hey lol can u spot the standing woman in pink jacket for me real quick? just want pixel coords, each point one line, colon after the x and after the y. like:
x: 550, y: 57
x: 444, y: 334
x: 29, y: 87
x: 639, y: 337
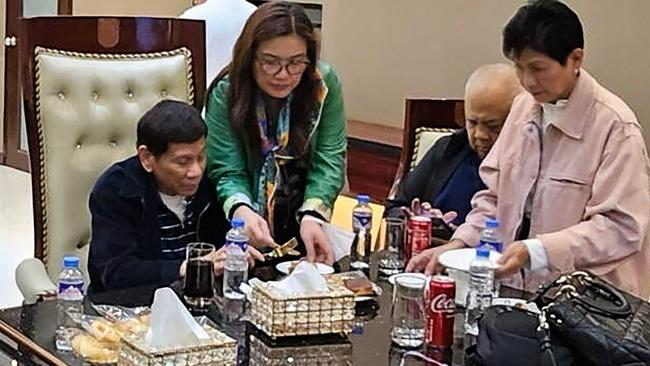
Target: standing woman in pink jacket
x: 568, y: 176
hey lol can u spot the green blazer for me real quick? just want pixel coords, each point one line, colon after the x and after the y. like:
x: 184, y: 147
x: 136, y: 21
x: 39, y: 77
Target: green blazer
x: 230, y: 171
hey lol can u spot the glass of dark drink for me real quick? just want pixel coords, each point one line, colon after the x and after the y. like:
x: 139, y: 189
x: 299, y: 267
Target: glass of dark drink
x: 199, y: 275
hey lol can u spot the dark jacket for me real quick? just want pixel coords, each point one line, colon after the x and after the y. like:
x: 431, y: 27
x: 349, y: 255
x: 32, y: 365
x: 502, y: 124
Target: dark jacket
x: 432, y: 173
x: 125, y: 246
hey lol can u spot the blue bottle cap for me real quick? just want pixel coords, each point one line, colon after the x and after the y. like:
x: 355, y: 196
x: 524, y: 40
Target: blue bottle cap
x: 70, y: 261
x: 483, y: 251
x: 363, y: 198
x: 237, y: 223
x: 492, y: 223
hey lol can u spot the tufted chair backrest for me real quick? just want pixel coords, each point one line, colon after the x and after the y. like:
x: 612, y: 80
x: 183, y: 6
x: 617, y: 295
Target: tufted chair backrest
x: 85, y: 110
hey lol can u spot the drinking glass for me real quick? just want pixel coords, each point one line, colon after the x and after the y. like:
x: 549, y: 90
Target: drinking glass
x: 391, y: 259
x: 199, y: 275
x: 407, y: 311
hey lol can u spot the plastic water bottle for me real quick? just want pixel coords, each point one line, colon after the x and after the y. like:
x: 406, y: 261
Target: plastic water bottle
x: 490, y: 235
x: 236, y: 266
x: 69, y: 300
x: 361, y: 224
x: 479, y: 296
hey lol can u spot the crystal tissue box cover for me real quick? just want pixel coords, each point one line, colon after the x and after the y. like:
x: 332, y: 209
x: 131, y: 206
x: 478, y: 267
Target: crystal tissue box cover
x: 217, y: 351
x: 318, y: 313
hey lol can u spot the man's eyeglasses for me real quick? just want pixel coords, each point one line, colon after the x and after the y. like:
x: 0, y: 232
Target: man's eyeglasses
x: 274, y: 67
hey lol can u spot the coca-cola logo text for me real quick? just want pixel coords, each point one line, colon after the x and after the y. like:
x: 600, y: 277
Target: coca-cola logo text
x: 443, y: 304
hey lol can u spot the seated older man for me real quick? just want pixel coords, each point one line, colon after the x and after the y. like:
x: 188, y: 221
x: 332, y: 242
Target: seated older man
x: 147, y: 208
x: 447, y: 177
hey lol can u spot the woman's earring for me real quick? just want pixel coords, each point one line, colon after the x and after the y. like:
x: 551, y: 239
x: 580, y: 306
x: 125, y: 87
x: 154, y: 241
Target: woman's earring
x: 576, y: 71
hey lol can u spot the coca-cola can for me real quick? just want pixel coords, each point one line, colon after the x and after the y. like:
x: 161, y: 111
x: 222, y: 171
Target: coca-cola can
x: 441, y: 307
x: 418, y: 231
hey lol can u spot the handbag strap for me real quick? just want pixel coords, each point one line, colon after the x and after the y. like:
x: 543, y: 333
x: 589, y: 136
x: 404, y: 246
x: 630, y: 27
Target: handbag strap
x: 547, y: 357
x: 584, y: 289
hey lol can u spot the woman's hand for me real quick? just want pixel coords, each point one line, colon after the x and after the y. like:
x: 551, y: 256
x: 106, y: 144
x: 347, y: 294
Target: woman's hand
x: 319, y: 248
x: 255, y: 226
x: 514, y: 258
x: 427, y: 261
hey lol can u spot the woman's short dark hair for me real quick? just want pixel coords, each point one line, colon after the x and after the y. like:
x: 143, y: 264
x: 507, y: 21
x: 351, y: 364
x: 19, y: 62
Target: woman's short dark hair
x: 169, y: 121
x: 546, y: 26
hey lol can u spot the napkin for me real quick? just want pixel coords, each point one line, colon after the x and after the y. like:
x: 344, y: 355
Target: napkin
x: 171, y: 325
x: 305, y: 279
x: 340, y: 239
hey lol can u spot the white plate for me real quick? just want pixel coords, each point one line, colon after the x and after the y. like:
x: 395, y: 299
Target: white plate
x: 508, y: 301
x: 520, y: 303
x: 460, y: 259
x: 392, y: 278
x: 322, y: 268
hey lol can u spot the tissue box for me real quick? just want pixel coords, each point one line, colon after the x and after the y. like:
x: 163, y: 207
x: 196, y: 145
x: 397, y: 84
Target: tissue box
x: 218, y: 350
x: 335, y: 353
x: 322, y: 313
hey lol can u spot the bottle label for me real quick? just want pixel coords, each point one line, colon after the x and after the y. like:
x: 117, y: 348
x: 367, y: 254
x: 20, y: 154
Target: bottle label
x: 71, y: 291
x: 493, y: 245
x: 240, y: 243
x: 362, y: 220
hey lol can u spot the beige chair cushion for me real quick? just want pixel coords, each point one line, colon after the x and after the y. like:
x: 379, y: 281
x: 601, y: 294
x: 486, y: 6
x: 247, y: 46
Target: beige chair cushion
x: 425, y: 137
x: 87, y: 109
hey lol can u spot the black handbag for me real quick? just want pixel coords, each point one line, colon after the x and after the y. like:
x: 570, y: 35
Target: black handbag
x: 587, y: 321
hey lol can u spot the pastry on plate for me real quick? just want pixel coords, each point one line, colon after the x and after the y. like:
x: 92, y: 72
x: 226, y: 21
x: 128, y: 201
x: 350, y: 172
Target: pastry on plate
x: 93, y: 350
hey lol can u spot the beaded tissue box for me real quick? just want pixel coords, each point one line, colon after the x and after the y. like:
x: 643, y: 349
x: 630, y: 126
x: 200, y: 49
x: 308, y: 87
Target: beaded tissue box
x: 318, y: 313
x: 217, y: 351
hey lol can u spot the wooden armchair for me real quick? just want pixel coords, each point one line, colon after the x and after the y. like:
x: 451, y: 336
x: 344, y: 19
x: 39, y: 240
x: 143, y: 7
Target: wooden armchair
x: 425, y: 121
x: 87, y: 81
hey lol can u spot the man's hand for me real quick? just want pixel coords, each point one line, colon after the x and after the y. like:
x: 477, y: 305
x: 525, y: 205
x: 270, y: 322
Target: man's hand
x: 218, y: 259
x: 255, y: 226
x: 419, y: 208
x: 319, y: 248
x: 513, y: 259
x: 427, y: 261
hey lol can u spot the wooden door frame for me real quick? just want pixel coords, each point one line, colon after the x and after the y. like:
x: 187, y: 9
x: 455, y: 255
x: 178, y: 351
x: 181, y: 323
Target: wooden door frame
x: 12, y: 155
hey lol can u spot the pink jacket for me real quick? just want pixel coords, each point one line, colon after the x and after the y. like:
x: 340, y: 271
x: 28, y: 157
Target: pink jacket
x: 592, y: 203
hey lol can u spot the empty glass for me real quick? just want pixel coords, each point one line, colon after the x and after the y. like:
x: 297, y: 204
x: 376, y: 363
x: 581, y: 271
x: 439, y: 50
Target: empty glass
x: 407, y: 311
x: 199, y: 275
x: 391, y: 259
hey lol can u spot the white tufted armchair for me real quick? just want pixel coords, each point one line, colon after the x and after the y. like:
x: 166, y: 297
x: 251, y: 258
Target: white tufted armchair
x: 86, y: 82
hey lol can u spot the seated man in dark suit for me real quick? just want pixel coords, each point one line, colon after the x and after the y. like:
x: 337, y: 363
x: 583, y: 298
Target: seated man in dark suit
x: 447, y: 177
x: 146, y: 209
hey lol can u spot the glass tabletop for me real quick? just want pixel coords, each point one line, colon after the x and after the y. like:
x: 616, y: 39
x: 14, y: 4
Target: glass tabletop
x: 369, y: 344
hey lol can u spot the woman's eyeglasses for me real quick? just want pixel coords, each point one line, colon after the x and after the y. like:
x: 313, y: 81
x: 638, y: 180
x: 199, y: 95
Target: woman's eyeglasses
x: 274, y: 67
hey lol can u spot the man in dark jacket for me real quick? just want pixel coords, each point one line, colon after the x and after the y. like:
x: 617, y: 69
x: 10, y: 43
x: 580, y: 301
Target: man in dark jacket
x: 447, y: 176
x: 147, y: 208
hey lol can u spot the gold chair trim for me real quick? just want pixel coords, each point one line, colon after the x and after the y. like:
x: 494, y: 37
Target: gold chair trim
x: 418, y: 134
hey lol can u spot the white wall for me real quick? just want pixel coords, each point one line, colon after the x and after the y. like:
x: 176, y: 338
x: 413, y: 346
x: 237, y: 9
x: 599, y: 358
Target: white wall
x: 386, y: 50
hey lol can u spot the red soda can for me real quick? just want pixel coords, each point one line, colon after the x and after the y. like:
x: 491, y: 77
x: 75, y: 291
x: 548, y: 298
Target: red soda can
x: 439, y: 332
x: 419, y: 235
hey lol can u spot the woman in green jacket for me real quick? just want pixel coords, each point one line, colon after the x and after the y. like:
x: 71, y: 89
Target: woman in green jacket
x: 276, y: 132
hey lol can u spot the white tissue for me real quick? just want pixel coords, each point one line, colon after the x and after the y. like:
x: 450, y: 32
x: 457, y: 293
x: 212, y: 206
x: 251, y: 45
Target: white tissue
x: 171, y: 325
x: 305, y: 279
x: 341, y: 240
